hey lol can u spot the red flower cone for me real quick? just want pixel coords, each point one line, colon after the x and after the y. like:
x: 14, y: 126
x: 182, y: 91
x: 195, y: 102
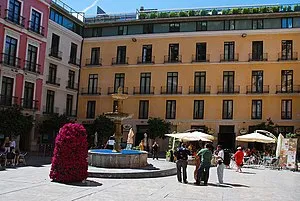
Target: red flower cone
x: 69, y: 161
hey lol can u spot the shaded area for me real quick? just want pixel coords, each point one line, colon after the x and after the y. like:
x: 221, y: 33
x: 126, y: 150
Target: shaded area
x: 86, y: 183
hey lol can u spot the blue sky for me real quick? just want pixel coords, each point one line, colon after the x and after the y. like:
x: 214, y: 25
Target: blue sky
x: 121, y: 6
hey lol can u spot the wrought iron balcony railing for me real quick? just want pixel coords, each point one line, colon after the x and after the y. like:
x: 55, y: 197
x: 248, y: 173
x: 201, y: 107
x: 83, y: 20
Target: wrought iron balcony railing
x: 172, y: 59
x: 72, y: 85
x: 171, y: 90
x: 90, y: 91
x: 36, y: 28
x: 229, y: 58
x: 258, y: 57
x: 29, y: 104
x: 32, y: 67
x: 252, y: 89
x: 283, y: 89
x: 282, y: 56
x: 229, y: 90
x: 70, y: 113
x: 199, y: 90
x: 93, y: 62
x: 201, y: 58
x: 119, y: 61
x: 50, y: 110
x: 53, y: 80
x: 14, y: 18
x: 8, y: 100
x: 75, y: 61
x: 146, y: 60
x: 286, y: 115
x: 113, y: 90
x: 143, y: 90
x: 55, y: 53
x: 10, y: 61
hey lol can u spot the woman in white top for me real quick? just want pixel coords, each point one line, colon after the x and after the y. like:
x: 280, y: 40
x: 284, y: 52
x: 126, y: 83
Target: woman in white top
x: 220, y: 163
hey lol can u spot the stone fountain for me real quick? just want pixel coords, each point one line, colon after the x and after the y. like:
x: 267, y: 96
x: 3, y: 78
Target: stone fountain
x: 118, y: 158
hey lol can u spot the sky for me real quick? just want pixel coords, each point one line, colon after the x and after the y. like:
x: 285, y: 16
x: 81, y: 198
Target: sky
x: 123, y: 6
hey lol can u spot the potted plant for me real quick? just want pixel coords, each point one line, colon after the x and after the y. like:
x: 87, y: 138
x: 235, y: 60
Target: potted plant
x: 173, y: 14
x: 163, y: 15
x: 192, y: 13
x: 275, y: 9
x: 255, y: 10
x: 183, y: 14
x: 203, y: 12
x: 246, y: 11
x: 214, y: 12
x: 142, y: 16
x: 153, y: 15
x: 264, y: 9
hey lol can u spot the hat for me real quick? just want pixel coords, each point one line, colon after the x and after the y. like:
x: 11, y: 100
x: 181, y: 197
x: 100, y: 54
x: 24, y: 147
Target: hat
x: 239, y: 148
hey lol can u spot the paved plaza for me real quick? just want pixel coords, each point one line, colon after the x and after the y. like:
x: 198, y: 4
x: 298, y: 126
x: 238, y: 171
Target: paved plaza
x: 33, y: 183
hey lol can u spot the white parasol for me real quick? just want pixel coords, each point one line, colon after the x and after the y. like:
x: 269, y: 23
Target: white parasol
x: 278, y: 147
x: 255, y: 137
x: 192, y: 136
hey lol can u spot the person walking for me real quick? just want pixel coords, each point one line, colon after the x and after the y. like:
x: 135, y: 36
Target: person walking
x: 220, y: 163
x: 155, y: 150
x: 205, y: 156
x: 239, y: 158
x: 182, y: 156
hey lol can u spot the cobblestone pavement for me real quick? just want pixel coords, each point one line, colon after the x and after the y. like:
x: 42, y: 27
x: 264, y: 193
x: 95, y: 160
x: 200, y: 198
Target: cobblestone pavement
x: 32, y: 183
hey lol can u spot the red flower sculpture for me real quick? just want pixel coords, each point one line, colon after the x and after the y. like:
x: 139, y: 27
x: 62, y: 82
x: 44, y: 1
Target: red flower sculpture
x: 69, y: 161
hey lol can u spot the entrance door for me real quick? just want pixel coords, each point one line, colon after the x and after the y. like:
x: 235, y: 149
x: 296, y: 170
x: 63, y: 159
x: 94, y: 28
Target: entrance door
x: 140, y: 131
x: 226, y: 137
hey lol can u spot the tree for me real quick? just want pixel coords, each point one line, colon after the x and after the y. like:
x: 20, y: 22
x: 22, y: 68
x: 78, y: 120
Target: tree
x: 69, y: 162
x: 268, y: 126
x: 157, y: 127
x: 104, y: 127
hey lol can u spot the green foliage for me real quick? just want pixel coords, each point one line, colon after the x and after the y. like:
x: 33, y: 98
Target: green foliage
x: 236, y: 11
x: 52, y: 123
x: 214, y: 12
x: 275, y: 9
x: 14, y: 123
x: 143, y: 16
x: 296, y: 7
x: 158, y: 128
x: 255, y: 10
x: 264, y: 9
x: 246, y: 11
x: 268, y: 126
x: 173, y: 14
x: 203, y: 12
x: 104, y: 127
x: 183, y: 14
x: 291, y: 135
x: 153, y: 15
x: 225, y: 12
x: 163, y: 15
x: 192, y: 13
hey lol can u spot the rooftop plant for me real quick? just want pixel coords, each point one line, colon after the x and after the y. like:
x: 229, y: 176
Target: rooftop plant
x: 153, y: 15
x: 173, y: 14
x: 214, y: 12
x: 183, y: 14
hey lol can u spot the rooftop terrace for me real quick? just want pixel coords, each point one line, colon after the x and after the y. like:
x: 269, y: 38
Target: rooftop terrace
x: 142, y: 13
x: 69, y: 10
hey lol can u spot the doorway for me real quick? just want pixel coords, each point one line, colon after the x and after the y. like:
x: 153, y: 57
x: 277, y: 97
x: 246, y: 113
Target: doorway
x: 226, y: 137
x: 140, y: 131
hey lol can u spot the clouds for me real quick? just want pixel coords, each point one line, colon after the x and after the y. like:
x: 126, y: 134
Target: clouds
x: 91, y: 6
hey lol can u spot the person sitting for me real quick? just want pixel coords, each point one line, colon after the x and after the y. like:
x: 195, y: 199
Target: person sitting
x: 110, y: 143
x: 6, y: 145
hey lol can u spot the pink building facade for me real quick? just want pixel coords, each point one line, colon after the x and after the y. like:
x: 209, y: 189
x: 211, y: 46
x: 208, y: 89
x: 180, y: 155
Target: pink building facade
x: 23, y: 38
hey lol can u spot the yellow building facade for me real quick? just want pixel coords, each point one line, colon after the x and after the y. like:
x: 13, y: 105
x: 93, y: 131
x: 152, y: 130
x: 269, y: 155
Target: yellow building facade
x: 223, y: 80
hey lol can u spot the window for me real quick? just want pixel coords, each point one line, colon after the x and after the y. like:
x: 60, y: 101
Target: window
x: 121, y: 55
x: 31, y: 58
x: 228, y: 51
x: 228, y: 81
x: 286, y: 109
x: 11, y: 51
x: 91, y: 107
x: 14, y: 12
x: 73, y: 54
x: 257, y: 51
x: 287, y: 22
x: 200, y: 82
x: 173, y: 53
x: 258, y: 24
x: 257, y: 81
x: 119, y: 81
x: 198, y: 109
x: 96, y: 32
x: 201, y: 52
x: 148, y: 28
x: 28, y: 95
x: 201, y: 26
x: 52, y: 74
x: 172, y: 83
x: 122, y: 30
x: 147, y: 54
x: 229, y: 24
x: 55, y: 46
x: 95, y: 56
x: 6, y: 97
x: 50, y: 102
x: 35, y: 22
x: 227, y: 109
x: 145, y: 83
x: 286, y: 81
x: 256, y: 109
x: 93, y: 84
x: 143, y: 109
x: 286, y: 50
x: 69, y: 105
x: 170, y: 109
x: 174, y: 27
x: 71, y: 81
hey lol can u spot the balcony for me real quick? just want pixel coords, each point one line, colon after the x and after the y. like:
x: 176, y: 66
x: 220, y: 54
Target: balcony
x: 10, y: 61
x: 119, y: 61
x: 258, y: 57
x: 172, y: 59
x: 171, y: 90
x: 50, y: 110
x: 229, y: 58
x: 93, y: 62
x: 8, y: 100
x: 143, y: 60
x: 282, y: 56
x: 90, y: 91
x: 113, y: 90
x: 251, y: 89
x: 228, y: 90
x: 32, y: 67
x: 286, y: 115
x: 200, y: 58
x: 71, y: 113
x: 72, y: 85
x: 29, y: 104
x: 55, y: 53
x: 75, y: 61
x: 199, y: 90
x: 143, y: 90
x: 12, y: 17
x: 287, y: 89
x: 36, y: 28
x: 53, y: 80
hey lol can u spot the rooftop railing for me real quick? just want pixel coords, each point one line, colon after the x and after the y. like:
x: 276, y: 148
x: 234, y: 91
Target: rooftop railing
x: 68, y: 9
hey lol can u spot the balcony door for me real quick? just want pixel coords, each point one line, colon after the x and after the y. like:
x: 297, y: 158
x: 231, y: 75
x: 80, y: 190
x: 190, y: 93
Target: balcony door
x: 201, y: 52
x: 173, y: 52
x: 28, y: 95
x: 286, y: 49
x: 31, y: 58
x: 229, y: 51
x: 199, y: 82
x: 286, y: 80
x: 147, y: 54
x: 14, y: 13
x: 257, y: 50
x: 35, y: 21
x: 172, y: 83
x: 121, y: 55
x: 257, y: 81
x: 93, y: 84
x: 10, y: 51
x: 145, y: 83
x: 55, y: 45
x: 228, y: 82
x: 7, y: 91
x: 119, y: 82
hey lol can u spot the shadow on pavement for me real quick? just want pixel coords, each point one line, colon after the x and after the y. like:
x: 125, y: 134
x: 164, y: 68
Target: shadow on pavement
x: 247, y: 172
x: 87, y: 183
x: 236, y: 185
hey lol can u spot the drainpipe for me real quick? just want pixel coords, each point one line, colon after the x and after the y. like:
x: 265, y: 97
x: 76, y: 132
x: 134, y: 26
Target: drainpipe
x: 79, y: 76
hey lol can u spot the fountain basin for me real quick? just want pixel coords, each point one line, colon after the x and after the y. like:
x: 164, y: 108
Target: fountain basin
x: 125, y: 159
